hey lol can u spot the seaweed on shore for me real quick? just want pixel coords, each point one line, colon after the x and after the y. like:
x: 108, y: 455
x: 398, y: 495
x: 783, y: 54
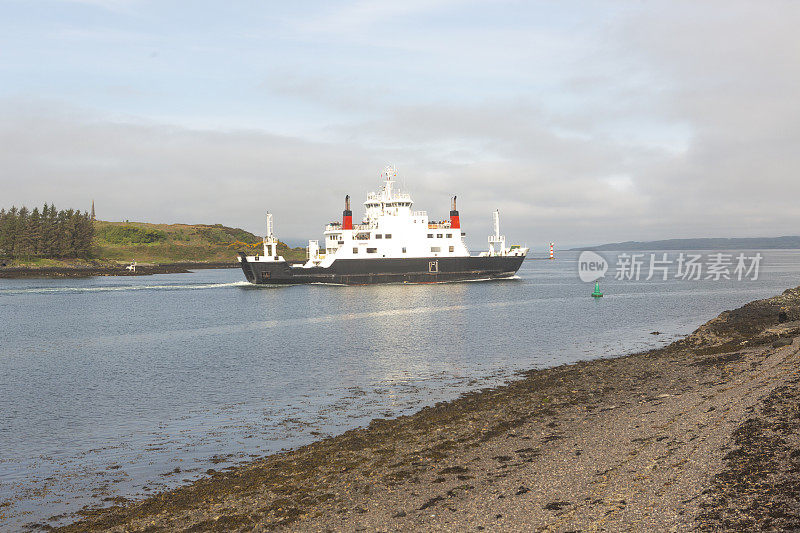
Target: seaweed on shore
x: 759, y: 489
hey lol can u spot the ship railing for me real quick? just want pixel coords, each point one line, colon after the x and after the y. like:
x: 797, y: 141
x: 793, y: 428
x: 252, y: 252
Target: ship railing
x: 336, y: 226
x: 381, y: 197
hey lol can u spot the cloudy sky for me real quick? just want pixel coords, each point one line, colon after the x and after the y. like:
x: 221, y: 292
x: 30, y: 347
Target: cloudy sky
x: 583, y: 122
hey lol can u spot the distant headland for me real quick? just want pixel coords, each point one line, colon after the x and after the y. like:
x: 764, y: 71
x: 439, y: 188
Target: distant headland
x: 744, y: 243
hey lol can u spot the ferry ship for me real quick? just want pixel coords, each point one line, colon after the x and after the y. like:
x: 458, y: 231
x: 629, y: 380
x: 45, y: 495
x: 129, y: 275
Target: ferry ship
x: 393, y: 244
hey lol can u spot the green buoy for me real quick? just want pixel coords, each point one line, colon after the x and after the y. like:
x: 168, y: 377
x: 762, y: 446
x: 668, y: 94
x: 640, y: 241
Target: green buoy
x: 597, y: 293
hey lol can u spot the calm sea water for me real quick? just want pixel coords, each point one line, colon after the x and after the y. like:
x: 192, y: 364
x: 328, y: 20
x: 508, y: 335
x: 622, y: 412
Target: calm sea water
x: 126, y: 386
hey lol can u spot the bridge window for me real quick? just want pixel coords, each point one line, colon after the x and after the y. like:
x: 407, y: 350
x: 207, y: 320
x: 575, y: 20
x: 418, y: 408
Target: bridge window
x: 388, y: 235
x: 372, y: 250
x: 378, y: 236
x: 449, y: 235
x: 355, y: 250
x: 452, y: 248
x: 438, y: 235
x: 430, y: 235
x: 436, y: 249
x: 404, y: 249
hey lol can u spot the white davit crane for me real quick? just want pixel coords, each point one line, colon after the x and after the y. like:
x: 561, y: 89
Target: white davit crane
x: 270, y: 243
x: 497, y: 238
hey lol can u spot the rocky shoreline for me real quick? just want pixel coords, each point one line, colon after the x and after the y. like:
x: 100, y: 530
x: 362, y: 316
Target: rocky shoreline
x: 701, y: 435
x: 107, y: 269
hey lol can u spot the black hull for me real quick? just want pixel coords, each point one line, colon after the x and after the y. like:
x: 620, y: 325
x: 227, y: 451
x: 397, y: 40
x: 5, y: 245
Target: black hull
x: 369, y: 271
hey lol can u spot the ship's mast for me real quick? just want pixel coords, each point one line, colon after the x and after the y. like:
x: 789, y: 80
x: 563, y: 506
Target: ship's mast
x: 390, y: 172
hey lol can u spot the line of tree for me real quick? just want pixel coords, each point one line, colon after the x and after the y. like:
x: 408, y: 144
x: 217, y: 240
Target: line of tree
x: 46, y: 233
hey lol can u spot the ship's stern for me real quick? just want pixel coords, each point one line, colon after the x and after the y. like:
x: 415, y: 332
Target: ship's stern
x: 266, y: 270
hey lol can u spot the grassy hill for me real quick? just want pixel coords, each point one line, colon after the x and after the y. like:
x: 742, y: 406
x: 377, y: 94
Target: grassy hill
x: 168, y: 243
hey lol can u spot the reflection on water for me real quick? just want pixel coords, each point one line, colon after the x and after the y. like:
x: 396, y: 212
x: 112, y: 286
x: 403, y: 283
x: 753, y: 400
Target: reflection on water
x: 125, y: 386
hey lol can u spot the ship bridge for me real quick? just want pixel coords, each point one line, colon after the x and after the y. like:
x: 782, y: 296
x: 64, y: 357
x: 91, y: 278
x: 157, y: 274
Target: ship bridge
x: 388, y: 200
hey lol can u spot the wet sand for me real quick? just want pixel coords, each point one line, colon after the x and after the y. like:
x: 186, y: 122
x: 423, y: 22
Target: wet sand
x: 701, y: 435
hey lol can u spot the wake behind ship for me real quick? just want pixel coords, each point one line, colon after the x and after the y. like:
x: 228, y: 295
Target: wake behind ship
x: 393, y: 244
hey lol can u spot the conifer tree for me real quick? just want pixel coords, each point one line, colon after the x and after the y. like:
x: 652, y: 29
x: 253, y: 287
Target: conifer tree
x: 21, y: 242
x: 45, y: 233
x: 6, y: 233
x: 51, y: 236
x: 34, y: 233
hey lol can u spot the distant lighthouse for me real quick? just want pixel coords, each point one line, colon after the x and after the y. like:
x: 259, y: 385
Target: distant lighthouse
x: 93, y: 217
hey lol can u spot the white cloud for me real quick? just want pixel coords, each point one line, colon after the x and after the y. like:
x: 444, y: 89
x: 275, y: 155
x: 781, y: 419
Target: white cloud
x: 120, y: 6
x: 362, y: 15
x: 619, y: 183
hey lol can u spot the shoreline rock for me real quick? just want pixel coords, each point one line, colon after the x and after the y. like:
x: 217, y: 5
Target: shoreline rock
x: 109, y: 270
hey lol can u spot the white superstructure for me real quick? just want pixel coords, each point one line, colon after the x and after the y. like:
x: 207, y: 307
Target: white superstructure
x: 390, y: 228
